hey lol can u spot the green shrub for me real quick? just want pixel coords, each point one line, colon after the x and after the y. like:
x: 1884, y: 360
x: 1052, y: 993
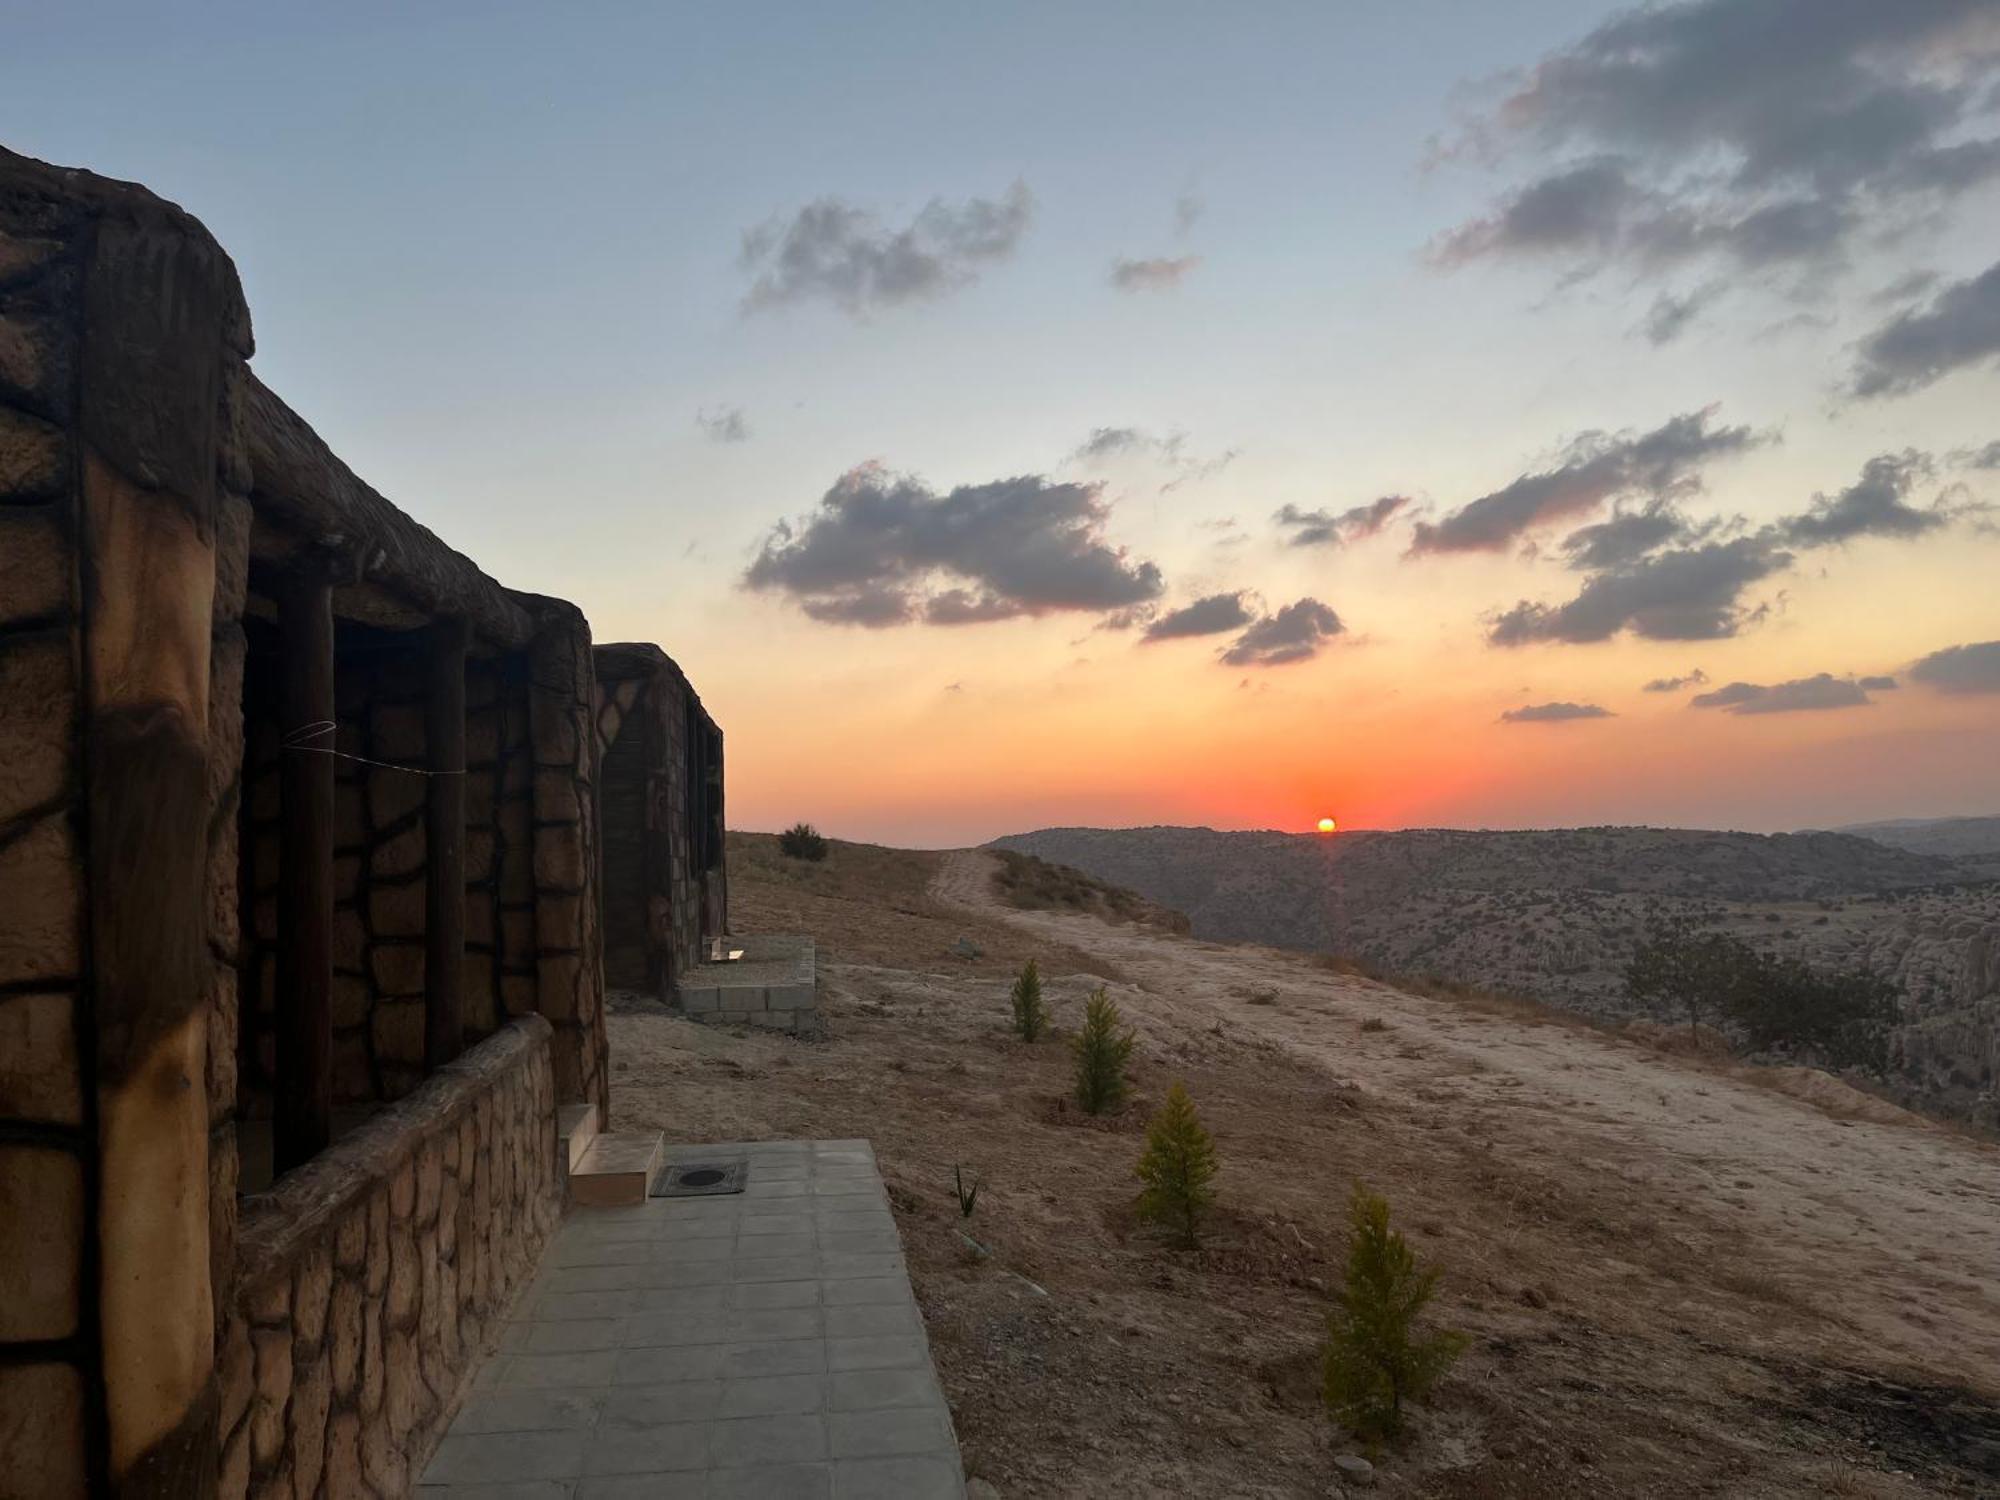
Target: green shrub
x: 968, y: 1197
x: 1679, y: 967
x: 1375, y: 1358
x: 1177, y: 1167
x: 1101, y: 1053
x: 802, y: 841
x: 1031, y: 1016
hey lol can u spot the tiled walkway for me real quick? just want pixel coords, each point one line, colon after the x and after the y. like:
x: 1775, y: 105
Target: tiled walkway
x: 763, y: 1344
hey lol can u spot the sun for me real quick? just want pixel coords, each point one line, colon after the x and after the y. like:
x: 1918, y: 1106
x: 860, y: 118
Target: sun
x: 1327, y: 825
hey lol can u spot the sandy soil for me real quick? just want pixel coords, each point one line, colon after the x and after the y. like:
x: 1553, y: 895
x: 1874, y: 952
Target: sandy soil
x: 1680, y: 1277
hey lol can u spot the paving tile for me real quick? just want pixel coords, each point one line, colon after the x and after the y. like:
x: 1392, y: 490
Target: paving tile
x: 651, y: 1405
x: 774, y: 1268
x: 541, y: 1372
x: 766, y: 1440
x: 772, y: 1395
x: 572, y: 1337
x: 775, y: 1357
x: 883, y: 1433
x: 526, y: 1411
x: 914, y: 1478
x: 533, y: 1489
x: 680, y: 1252
x: 864, y: 1242
x: 857, y: 1291
x: 775, y: 1323
x: 772, y: 1482
x: 760, y: 1294
x: 661, y: 1366
x: 709, y: 1325
x: 495, y: 1457
x: 870, y: 1320
x: 688, y: 1485
x: 778, y: 1243
x: 652, y: 1449
x: 841, y: 1266
x: 871, y: 1390
x: 784, y: 1188
x: 892, y: 1352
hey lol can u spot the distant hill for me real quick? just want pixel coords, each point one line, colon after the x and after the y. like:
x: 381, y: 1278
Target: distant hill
x: 1976, y: 840
x: 1555, y: 913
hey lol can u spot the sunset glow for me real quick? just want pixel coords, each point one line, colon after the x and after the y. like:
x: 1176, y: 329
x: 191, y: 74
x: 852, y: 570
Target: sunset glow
x: 1327, y: 825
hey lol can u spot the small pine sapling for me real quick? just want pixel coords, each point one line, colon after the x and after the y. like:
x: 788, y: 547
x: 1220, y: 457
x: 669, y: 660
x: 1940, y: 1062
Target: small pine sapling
x: 1375, y: 1358
x: 802, y: 841
x: 1031, y: 1016
x: 1178, y: 1168
x: 1101, y: 1054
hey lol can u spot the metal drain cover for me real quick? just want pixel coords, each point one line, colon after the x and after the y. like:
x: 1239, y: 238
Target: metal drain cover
x: 701, y: 1179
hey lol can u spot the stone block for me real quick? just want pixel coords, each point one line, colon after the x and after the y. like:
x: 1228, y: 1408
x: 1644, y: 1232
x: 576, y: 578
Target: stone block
x: 559, y: 858
x: 34, y: 457
x: 38, y: 1067
x: 312, y: 1285
x: 397, y: 911
x: 273, y: 1348
x: 699, y: 1002
x: 353, y: 1075
x: 343, y: 1457
x: 790, y: 997
x: 41, y: 1432
x: 556, y: 797
x: 232, y: 1479
x: 236, y: 1373
x: 397, y: 1027
x: 35, y: 563
x: 399, y: 855
x: 559, y: 922
x: 41, y: 1242
x: 398, y: 968
x: 378, y: 1244
x: 33, y: 358
x: 350, y: 818
x: 482, y: 919
x: 518, y: 994
x: 343, y: 1338
x: 396, y: 733
x: 405, y: 1398
x: 558, y: 979
x: 481, y: 849
x: 372, y: 1379
x: 395, y: 795
x: 311, y: 1388
x: 37, y: 721
x: 38, y: 920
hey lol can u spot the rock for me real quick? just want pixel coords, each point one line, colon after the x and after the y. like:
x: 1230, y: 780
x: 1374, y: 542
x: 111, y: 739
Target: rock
x: 967, y: 949
x: 1355, y: 1469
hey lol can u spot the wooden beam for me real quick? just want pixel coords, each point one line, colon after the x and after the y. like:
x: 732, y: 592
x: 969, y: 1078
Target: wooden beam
x: 444, y: 844
x: 303, y: 1114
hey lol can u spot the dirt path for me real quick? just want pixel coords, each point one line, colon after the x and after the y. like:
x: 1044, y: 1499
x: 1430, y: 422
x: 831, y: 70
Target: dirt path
x: 1888, y: 1230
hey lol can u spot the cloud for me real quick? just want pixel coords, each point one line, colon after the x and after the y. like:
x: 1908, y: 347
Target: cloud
x: 1211, y: 615
x: 884, y: 549
x: 1625, y: 538
x: 1188, y: 210
x: 1959, y: 327
x: 1161, y: 274
x: 1872, y: 506
x: 1323, y: 528
x: 1669, y: 317
x: 1686, y: 594
x: 1295, y: 633
x: 1595, y: 467
x: 723, y: 425
x: 1108, y: 444
x: 1876, y: 684
x: 1801, y: 695
x: 1961, y: 669
x: 1674, y: 684
x: 1554, y: 713
x: 831, y: 251
x: 1762, y: 132
x: 1978, y: 458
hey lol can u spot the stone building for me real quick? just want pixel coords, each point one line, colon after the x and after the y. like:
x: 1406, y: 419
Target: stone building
x: 301, y: 896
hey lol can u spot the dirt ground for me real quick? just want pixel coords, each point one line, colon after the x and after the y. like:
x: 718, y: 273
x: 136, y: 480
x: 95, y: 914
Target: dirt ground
x: 1680, y: 1277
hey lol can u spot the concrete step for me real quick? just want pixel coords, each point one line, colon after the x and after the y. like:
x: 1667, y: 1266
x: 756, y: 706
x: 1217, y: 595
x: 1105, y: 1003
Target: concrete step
x: 617, y: 1170
x: 576, y: 1128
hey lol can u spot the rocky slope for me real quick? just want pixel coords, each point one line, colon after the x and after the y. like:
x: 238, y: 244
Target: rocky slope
x: 1554, y: 913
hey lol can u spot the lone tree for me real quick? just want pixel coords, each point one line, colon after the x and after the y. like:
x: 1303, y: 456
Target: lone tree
x: 1680, y: 967
x: 1031, y: 1016
x: 802, y: 841
x: 1178, y: 1167
x: 1375, y: 1358
x: 1101, y: 1053
x: 1842, y: 1018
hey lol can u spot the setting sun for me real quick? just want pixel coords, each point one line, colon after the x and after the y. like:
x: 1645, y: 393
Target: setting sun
x: 1327, y: 825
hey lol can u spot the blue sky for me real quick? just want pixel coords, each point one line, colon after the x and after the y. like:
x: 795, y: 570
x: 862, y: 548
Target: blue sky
x: 493, y: 255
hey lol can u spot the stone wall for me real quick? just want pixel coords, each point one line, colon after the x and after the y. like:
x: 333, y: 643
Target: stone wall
x: 369, y: 1279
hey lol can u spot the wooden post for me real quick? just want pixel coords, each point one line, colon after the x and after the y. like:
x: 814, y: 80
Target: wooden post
x: 444, y: 844
x: 303, y: 1114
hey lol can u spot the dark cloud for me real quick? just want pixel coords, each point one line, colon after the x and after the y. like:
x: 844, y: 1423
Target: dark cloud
x: 1625, y: 537
x: 1686, y: 594
x: 1906, y: 288
x: 723, y: 425
x: 1107, y: 444
x: 1161, y: 274
x: 1674, y: 684
x: 1295, y: 633
x: 1961, y: 669
x: 1325, y: 528
x: 1802, y: 695
x: 1596, y: 467
x: 1978, y: 458
x: 1670, y: 316
x: 1958, y: 328
x: 1207, y: 616
x: 1554, y: 713
x: 1872, y: 506
x: 1876, y: 684
x: 831, y: 251
x: 883, y: 549
x: 1765, y: 132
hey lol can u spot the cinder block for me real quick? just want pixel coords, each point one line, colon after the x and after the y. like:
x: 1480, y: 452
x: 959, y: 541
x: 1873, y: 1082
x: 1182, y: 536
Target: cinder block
x: 791, y: 997
x: 699, y: 1002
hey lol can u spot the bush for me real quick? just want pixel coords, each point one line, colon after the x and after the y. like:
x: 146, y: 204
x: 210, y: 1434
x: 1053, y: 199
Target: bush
x: 1375, y: 1359
x: 802, y: 841
x: 1679, y: 967
x: 1031, y: 1016
x: 1101, y: 1053
x: 1177, y: 1167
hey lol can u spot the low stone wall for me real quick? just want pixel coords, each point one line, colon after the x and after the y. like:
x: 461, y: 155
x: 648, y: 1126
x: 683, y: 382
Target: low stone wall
x: 369, y: 1279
